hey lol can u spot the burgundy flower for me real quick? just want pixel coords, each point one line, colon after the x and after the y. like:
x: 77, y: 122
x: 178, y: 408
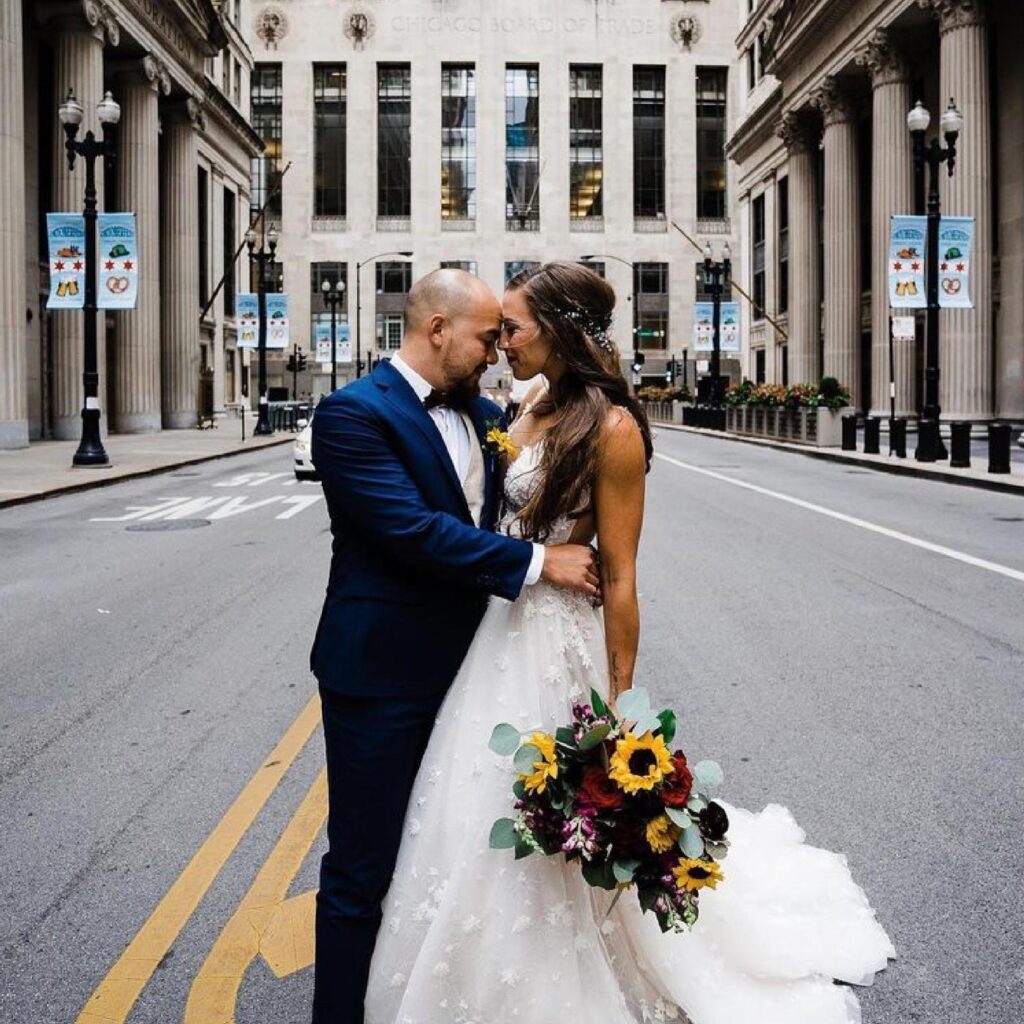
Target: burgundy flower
x: 600, y: 791
x: 675, y: 790
x: 714, y: 822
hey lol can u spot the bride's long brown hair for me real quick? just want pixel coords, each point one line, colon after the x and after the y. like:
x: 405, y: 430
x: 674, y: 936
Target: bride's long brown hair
x: 573, y: 308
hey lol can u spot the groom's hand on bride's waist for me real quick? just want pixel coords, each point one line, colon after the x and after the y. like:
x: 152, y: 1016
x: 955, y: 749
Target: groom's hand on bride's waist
x: 575, y: 567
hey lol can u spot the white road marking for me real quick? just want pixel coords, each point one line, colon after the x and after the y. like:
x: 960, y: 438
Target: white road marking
x: 906, y: 538
x: 236, y: 506
x: 250, y: 479
x: 300, y: 503
x: 193, y: 507
x: 138, y: 511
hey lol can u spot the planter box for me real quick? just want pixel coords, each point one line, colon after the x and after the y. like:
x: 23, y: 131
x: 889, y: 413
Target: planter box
x: 821, y: 428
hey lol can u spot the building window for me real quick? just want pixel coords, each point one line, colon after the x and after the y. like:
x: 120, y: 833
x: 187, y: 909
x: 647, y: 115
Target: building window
x: 650, y: 312
x: 586, y: 159
x: 390, y: 328
x: 332, y: 273
x: 759, y: 366
x: 515, y: 267
x: 458, y: 142
x: 394, y: 278
x: 711, y: 127
x: 230, y: 244
x: 757, y: 255
x: 751, y: 62
x: 329, y: 127
x: 469, y: 266
x: 782, y: 248
x: 225, y: 74
x: 266, y: 92
x: 237, y: 95
x: 204, y: 237
x: 703, y: 293
x: 597, y: 266
x: 394, y: 140
x: 522, y: 147
x: 649, y: 142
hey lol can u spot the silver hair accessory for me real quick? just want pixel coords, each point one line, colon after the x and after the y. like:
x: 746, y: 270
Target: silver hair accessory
x: 590, y: 327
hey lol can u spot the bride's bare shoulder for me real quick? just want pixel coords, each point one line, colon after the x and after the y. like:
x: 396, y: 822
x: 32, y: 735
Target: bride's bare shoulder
x: 621, y: 443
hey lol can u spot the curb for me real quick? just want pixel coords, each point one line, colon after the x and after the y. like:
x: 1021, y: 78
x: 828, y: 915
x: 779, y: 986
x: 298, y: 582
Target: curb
x: 896, y: 468
x: 135, y: 474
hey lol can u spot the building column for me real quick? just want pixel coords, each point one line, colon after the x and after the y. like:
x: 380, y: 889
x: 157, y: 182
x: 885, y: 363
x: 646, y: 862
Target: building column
x: 966, y: 338
x: 179, y: 282
x: 841, y: 313
x: 13, y: 397
x: 801, y: 140
x: 137, y: 355
x: 1010, y: 327
x: 78, y: 65
x: 892, y: 187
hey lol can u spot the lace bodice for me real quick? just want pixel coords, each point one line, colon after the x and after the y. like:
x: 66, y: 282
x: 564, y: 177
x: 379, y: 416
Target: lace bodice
x: 522, y: 479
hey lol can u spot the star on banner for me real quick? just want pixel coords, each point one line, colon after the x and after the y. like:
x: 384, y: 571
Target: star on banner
x: 77, y: 265
x: 109, y: 265
x: 960, y: 268
x: 915, y: 266
x: 58, y: 265
x: 128, y: 265
x: 897, y: 267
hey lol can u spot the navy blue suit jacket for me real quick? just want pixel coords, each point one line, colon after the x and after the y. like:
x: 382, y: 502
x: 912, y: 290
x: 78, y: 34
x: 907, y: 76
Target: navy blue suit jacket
x: 410, y: 571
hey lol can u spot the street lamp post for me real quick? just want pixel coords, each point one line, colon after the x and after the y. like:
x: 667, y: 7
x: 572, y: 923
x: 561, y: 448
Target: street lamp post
x: 359, y: 306
x: 716, y: 277
x: 929, y: 441
x: 263, y: 256
x: 333, y: 297
x: 638, y: 356
x: 90, y: 448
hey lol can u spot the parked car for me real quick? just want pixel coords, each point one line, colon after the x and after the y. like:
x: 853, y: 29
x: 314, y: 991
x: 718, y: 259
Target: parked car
x: 303, y: 454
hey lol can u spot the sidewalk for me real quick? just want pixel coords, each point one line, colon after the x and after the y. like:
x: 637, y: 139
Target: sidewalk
x: 976, y: 476
x: 44, y: 468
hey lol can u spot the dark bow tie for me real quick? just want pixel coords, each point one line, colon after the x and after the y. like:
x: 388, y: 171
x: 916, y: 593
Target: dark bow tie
x: 449, y: 399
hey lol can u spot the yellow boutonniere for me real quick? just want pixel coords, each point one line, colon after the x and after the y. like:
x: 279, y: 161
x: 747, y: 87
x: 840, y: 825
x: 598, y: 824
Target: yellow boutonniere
x: 498, y: 442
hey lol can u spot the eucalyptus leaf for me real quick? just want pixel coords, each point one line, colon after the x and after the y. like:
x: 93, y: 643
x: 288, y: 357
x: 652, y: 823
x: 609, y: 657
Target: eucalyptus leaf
x: 691, y: 843
x: 596, y: 735
x: 624, y: 870
x: 668, y: 725
x: 597, y: 704
x: 696, y: 803
x: 678, y: 817
x: 708, y: 773
x: 648, y: 723
x: 523, y: 850
x: 648, y: 896
x: 718, y: 850
x: 503, y: 834
x: 634, y: 704
x: 505, y: 739
x: 519, y: 789
x: 525, y: 758
x: 565, y: 736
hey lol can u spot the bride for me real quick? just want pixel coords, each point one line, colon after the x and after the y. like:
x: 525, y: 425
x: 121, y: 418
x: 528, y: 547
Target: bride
x: 472, y: 936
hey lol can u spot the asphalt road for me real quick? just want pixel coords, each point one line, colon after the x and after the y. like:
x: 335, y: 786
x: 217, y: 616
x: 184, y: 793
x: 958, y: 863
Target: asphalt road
x: 847, y: 643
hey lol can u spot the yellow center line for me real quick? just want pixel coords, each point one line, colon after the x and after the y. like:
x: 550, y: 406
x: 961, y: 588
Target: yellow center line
x: 117, y: 993
x: 214, y: 993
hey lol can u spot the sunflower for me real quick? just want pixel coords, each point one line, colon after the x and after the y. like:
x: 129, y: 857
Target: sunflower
x: 640, y: 762
x: 662, y: 834
x: 692, y: 875
x: 545, y: 769
x: 499, y: 442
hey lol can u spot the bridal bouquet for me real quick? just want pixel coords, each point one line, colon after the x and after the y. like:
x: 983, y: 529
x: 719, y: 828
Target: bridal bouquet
x: 607, y: 792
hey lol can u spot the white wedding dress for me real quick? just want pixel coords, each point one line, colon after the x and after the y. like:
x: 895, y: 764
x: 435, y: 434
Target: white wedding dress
x: 472, y: 936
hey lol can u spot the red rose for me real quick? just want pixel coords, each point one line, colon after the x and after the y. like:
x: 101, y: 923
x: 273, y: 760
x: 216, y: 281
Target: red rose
x: 675, y: 790
x: 596, y: 787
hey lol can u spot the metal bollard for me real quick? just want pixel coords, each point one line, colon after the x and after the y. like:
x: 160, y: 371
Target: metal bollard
x: 850, y: 432
x: 872, y: 434
x: 960, y: 445
x: 898, y: 437
x: 999, y: 447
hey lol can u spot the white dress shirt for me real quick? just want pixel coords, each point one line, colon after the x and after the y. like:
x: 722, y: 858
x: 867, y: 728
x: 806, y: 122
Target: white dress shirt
x: 458, y: 440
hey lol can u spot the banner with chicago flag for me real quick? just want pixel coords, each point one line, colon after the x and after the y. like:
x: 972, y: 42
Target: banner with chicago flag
x: 956, y: 237
x: 65, y: 234
x: 906, y: 262
x: 118, y: 253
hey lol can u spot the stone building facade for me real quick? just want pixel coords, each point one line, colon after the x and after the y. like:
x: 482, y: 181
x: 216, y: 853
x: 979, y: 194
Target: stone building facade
x: 491, y: 134
x: 180, y: 71
x: 825, y: 158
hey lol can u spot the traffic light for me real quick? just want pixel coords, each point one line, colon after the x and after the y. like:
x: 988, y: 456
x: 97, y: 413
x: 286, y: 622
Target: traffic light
x: 290, y: 365
x: 302, y: 361
x: 638, y: 361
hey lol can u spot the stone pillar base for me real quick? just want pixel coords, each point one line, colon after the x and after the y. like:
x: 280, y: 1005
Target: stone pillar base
x: 14, y: 434
x: 180, y: 420
x: 138, y: 423
x: 69, y: 428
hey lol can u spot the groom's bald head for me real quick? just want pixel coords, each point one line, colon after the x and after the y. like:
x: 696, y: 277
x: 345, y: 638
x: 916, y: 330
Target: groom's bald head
x: 452, y: 325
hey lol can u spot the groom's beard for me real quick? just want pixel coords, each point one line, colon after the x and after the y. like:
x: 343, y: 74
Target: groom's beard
x: 462, y: 392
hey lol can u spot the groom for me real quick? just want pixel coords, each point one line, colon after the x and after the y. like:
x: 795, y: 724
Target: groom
x: 413, y: 499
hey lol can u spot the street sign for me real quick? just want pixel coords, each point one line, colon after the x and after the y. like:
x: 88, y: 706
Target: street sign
x: 247, y: 317
x: 904, y: 328
x: 118, y: 253
x: 66, y: 241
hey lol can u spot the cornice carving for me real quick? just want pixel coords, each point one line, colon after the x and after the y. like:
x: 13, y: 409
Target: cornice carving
x: 798, y: 132
x: 834, y: 101
x: 156, y: 72
x: 196, y: 114
x: 359, y: 26
x: 884, y: 60
x: 955, y: 14
x: 100, y: 16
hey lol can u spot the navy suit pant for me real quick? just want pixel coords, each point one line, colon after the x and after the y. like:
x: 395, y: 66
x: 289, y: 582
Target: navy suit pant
x: 374, y: 749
